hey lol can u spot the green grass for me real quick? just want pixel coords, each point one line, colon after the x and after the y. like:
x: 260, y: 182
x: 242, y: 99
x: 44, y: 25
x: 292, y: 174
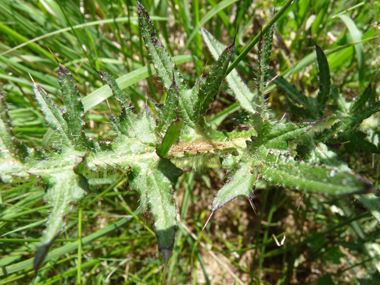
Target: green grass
x: 107, y: 238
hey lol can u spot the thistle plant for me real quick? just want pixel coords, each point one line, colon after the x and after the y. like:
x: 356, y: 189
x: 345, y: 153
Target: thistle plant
x: 150, y: 151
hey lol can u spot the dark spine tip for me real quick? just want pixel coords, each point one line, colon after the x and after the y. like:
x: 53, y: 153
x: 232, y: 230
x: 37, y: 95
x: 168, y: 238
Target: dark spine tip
x: 316, y: 46
x: 174, y: 84
x: 98, y: 71
x: 231, y: 47
x: 54, y: 56
x: 252, y: 205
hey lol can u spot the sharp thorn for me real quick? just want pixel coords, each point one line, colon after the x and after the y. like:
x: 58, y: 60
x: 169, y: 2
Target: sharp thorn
x: 283, y: 117
x: 274, y: 78
x: 252, y: 205
x: 299, y: 203
x: 91, y: 67
x: 209, y: 218
x: 109, y: 107
x: 31, y: 78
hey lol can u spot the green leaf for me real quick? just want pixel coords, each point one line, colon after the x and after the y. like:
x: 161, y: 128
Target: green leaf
x: 188, y: 102
x: 321, y: 155
x: 277, y: 134
x: 65, y: 189
x: 145, y: 127
x: 53, y: 116
x: 264, y: 54
x: 357, y: 141
x: 170, y: 138
x: 153, y: 180
x: 272, y: 134
x: 373, y: 97
x: 73, y: 112
x: 10, y: 148
x: 159, y: 56
x: 362, y: 100
x: 324, y: 78
x: 241, y: 92
x: 296, y: 96
x: 239, y: 184
x: 372, y: 203
x: 163, y: 211
x: 285, y: 171
x: 208, y: 90
x: 120, y: 95
x: 6, y: 144
x: 170, y: 111
x: 124, y: 124
x: 349, y: 122
x: 342, y: 104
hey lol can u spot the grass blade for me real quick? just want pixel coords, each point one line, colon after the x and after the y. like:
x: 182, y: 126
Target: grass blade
x: 356, y: 37
x: 99, y: 95
x: 215, y: 10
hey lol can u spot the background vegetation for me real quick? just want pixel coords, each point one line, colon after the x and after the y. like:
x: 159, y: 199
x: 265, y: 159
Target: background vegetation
x: 328, y: 239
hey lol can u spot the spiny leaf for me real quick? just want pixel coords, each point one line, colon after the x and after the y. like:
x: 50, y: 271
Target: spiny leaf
x: 53, y: 116
x: 188, y: 102
x: 120, y: 95
x: 373, y: 97
x: 10, y: 148
x: 163, y: 210
x: 264, y: 54
x: 65, y: 189
x: 102, y: 93
x: 349, y: 122
x: 321, y: 155
x: 153, y: 180
x: 170, y: 111
x: 139, y: 182
x: 276, y: 134
x: 343, y: 106
x: 296, y: 96
x: 125, y: 123
x: 159, y: 56
x: 356, y: 140
x: 6, y: 144
x: 240, y: 184
x: 285, y: 171
x: 241, y: 91
x: 362, y: 100
x: 144, y: 128
x: 372, y: 203
x: 208, y: 90
x: 324, y: 78
x: 170, y: 138
x: 73, y: 108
